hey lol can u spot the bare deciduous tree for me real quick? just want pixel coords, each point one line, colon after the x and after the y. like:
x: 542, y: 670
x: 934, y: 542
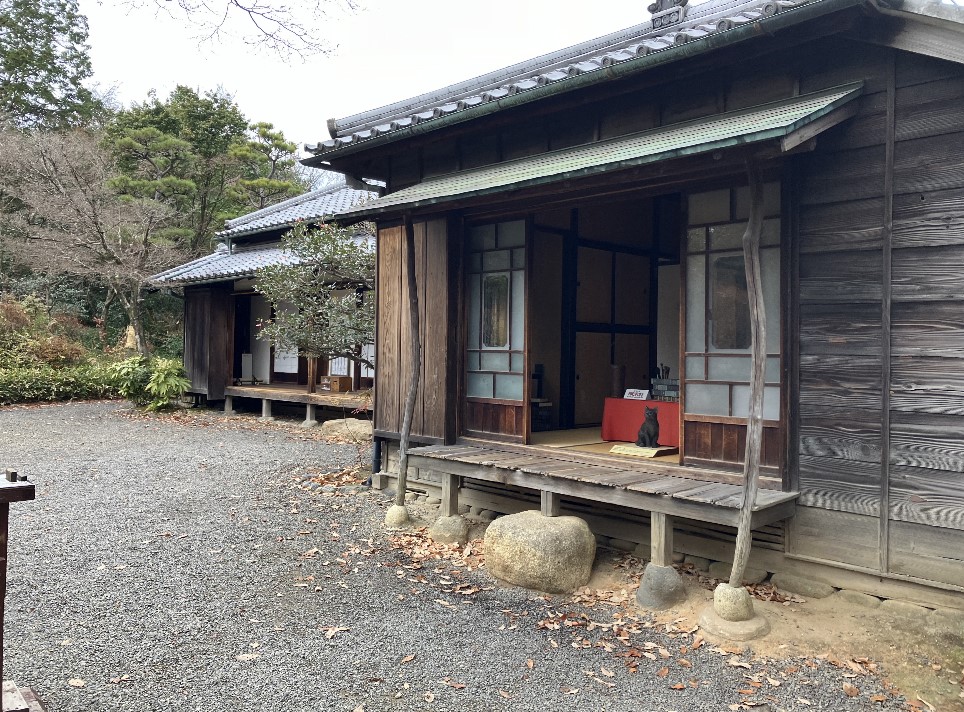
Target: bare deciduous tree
x: 65, y: 216
x: 288, y: 30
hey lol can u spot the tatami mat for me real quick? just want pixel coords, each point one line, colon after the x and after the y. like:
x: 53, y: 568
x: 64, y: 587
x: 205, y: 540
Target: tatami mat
x: 567, y: 438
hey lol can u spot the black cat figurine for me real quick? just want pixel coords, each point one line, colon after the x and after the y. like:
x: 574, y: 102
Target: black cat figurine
x: 649, y: 430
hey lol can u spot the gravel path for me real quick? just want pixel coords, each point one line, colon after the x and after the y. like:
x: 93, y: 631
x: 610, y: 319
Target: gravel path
x: 182, y: 565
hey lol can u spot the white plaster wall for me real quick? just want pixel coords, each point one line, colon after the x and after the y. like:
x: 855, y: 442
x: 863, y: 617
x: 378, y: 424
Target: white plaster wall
x: 260, y: 350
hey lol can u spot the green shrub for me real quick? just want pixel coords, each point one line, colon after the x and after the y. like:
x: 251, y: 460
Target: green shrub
x: 130, y: 377
x: 167, y: 383
x: 43, y: 383
x: 153, y: 384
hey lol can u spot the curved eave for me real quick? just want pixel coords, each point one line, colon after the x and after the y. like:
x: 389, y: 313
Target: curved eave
x: 817, y: 111
x: 620, y: 70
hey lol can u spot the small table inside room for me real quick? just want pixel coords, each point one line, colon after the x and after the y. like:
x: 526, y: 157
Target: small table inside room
x: 622, y: 418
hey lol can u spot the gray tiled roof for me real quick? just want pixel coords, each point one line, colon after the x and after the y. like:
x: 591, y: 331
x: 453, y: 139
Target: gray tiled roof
x: 700, y: 22
x: 225, y: 264
x: 238, y: 262
x: 310, y: 206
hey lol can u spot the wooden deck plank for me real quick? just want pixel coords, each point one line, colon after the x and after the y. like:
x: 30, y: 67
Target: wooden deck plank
x: 458, y: 453
x: 480, y: 457
x: 664, y: 485
x: 700, y: 492
x: 622, y: 479
x: 352, y: 400
x: 509, y: 460
x: 654, y: 491
x: 549, y: 467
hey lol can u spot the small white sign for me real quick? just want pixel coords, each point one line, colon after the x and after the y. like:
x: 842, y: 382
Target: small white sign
x: 636, y: 394
x: 286, y: 361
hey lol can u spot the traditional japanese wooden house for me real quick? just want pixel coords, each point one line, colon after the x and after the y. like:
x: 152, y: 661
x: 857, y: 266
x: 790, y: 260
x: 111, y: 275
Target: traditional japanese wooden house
x: 223, y: 357
x: 577, y: 220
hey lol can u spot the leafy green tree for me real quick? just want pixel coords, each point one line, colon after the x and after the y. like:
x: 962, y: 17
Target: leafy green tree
x: 268, y: 164
x: 208, y: 125
x: 330, y: 282
x: 44, y: 63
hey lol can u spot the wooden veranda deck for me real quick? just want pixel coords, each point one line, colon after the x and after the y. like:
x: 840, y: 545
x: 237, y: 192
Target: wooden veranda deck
x: 653, y: 487
x: 352, y: 401
x: 291, y: 393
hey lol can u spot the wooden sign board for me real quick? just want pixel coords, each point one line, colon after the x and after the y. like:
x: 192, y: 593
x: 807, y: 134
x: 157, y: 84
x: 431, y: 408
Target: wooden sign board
x: 637, y: 451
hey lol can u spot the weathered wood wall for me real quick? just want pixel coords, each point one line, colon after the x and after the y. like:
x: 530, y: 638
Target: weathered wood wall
x: 723, y: 445
x: 436, y: 256
x: 881, y: 274
x: 209, y: 338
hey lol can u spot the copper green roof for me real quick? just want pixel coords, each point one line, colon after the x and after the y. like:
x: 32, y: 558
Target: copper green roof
x: 766, y: 122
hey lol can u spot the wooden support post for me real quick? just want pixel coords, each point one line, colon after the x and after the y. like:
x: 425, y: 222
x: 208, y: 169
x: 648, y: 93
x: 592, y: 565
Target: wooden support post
x: 229, y: 405
x: 416, y: 362
x: 266, y: 409
x: 660, y: 539
x: 312, y: 374
x: 4, y: 519
x: 550, y: 502
x: 450, y: 495
x: 758, y: 341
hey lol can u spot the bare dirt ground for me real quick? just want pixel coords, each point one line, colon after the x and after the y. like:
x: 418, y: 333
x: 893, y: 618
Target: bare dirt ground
x: 927, y: 670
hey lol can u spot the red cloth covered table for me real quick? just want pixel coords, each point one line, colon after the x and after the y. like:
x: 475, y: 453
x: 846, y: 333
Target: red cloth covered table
x: 623, y: 416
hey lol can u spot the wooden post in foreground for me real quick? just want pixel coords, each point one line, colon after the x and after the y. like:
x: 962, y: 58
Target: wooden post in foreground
x: 416, y: 347
x: 758, y: 348
x: 312, y: 374
x: 13, y: 488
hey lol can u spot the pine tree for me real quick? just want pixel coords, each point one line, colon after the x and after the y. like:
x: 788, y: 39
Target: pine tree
x: 44, y: 62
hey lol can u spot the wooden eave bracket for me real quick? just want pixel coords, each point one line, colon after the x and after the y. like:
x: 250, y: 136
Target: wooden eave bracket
x: 942, y: 42
x: 805, y: 134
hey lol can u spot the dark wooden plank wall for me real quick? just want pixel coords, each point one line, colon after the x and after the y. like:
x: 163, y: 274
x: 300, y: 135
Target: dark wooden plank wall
x: 841, y: 226
x: 927, y: 366
x: 209, y: 338
x: 724, y: 445
x: 882, y: 277
x: 502, y: 419
x: 434, y: 417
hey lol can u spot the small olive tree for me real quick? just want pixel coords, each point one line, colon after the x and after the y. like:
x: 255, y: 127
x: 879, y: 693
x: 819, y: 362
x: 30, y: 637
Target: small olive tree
x: 323, y: 294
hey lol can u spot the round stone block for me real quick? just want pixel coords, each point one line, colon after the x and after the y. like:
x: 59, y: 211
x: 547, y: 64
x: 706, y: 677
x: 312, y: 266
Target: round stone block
x: 355, y: 429
x: 552, y: 554
x: 449, y: 530
x: 396, y: 517
x: 756, y: 627
x: 732, y: 603
x: 661, y: 587
x: 858, y: 598
x: 811, y: 588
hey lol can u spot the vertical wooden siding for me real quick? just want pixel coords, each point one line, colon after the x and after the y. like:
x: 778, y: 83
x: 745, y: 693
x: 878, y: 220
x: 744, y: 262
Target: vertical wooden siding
x: 841, y: 227
x: 209, y: 338
x: 926, y: 495
x: 434, y: 418
x: 882, y: 277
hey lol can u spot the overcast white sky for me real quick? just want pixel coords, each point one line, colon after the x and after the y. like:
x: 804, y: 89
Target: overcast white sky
x: 390, y: 50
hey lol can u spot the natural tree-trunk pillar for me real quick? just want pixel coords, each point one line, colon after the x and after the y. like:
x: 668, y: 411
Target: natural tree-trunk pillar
x: 758, y: 348
x: 416, y: 362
